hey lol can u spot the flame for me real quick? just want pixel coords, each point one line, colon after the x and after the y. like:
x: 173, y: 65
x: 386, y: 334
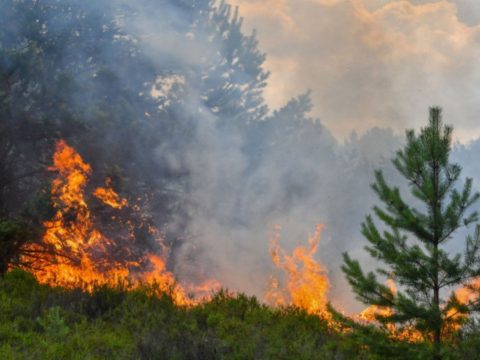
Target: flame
x: 307, y: 282
x: 469, y: 293
x: 109, y: 197
x: 74, y: 253
x: 466, y: 295
x: 370, y: 314
x: 306, y: 286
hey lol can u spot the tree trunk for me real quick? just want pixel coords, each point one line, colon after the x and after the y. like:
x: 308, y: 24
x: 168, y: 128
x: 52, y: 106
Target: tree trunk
x: 437, y: 335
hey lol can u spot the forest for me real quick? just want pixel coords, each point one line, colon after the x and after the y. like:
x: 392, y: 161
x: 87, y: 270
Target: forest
x: 153, y: 205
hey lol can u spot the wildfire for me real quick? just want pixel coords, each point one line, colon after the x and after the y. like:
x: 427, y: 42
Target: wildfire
x: 73, y: 252
x: 306, y: 284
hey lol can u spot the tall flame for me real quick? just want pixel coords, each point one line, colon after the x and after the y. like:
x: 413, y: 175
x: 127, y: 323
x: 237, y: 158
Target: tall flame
x: 306, y: 284
x: 74, y: 253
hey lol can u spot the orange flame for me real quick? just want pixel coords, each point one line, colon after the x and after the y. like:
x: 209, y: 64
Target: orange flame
x: 369, y: 315
x: 466, y: 295
x: 78, y: 254
x: 109, y: 197
x: 470, y: 293
x: 307, y: 283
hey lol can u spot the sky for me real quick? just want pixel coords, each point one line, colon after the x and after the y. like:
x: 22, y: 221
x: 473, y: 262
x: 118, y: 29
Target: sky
x: 373, y: 63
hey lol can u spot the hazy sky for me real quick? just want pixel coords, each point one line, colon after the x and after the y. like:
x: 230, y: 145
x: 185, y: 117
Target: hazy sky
x: 372, y: 62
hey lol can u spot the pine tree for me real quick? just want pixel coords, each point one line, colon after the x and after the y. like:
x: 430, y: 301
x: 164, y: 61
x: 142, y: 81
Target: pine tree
x: 411, y: 242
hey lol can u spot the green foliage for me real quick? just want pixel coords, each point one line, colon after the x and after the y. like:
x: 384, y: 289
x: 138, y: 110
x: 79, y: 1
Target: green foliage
x: 411, y: 241
x: 53, y: 324
x: 13, y: 234
x: 24, y: 228
x: 41, y: 322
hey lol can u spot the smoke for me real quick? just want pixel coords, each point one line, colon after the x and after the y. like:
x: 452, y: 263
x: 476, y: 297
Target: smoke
x: 174, y: 107
x: 303, y: 177
x: 373, y: 63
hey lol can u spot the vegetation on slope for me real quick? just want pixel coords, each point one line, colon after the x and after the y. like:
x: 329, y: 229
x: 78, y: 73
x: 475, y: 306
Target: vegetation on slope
x: 40, y: 322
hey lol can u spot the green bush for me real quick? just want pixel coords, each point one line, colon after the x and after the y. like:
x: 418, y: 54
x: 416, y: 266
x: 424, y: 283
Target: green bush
x: 41, y: 322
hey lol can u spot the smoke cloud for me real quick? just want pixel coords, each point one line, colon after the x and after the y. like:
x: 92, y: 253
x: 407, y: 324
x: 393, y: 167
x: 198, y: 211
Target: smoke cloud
x: 373, y: 63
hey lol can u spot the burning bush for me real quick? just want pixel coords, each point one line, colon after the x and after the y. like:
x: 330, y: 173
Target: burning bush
x: 75, y: 253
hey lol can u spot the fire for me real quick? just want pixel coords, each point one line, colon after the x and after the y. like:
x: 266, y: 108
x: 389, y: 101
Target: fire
x: 307, y: 282
x: 466, y: 295
x: 470, y: 293
x: 369, y: 315
x: 73, y: 252
x: 109, y: 196
x: 306, y: 286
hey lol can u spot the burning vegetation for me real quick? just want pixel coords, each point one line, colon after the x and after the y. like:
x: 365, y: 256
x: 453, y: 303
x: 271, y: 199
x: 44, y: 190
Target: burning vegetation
x: 306, y: 282
x: 80, y: 250
x: 74, y: 253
